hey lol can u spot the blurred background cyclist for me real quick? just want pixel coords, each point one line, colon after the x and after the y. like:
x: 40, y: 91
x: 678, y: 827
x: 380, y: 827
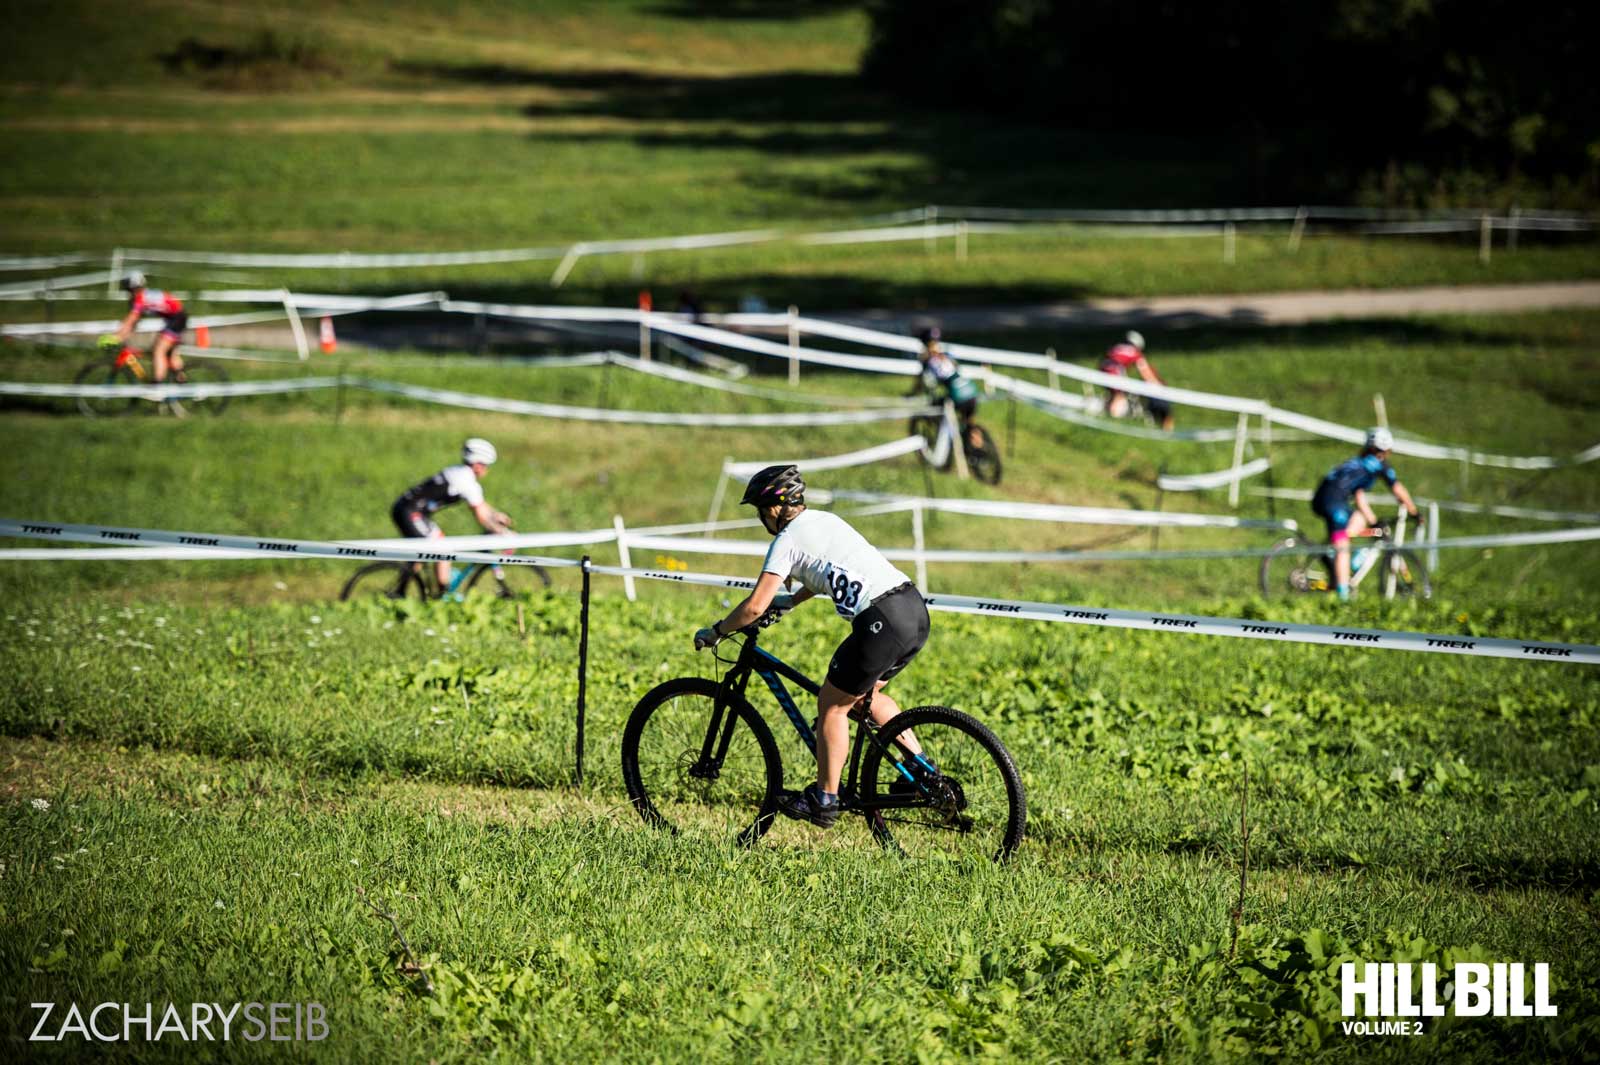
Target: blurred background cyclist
x: 1341, y: 500
x: 413, y: 511
x: 1126, y: 356
x: 944, y: 379
x: 146, y: 302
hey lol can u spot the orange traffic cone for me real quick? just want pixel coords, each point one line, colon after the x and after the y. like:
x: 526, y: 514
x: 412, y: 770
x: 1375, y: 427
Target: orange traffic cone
x: 644, y: 299
x: 327, y: 340
x: 202, y: 336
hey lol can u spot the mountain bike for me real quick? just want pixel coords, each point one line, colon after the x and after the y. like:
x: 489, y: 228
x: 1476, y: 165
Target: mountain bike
x: 414, y: 580
x: 123, y: 365
x: 1300, y: 567
x: 698, y: 759
x: 978, y: 447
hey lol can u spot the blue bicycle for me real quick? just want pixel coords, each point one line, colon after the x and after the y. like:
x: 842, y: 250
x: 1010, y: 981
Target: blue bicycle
x: 697, y: 758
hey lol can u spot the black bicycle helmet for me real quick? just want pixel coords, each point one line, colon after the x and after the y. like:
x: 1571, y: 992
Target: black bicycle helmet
x: 776, y: 486
x: 928, y: 333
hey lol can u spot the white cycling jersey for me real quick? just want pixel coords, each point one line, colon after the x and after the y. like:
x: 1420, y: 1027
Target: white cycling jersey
x: 828, y: 557
x: 451, y: 485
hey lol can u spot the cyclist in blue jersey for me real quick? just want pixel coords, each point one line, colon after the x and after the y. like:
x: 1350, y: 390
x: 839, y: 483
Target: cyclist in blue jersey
x: 1341, y: 500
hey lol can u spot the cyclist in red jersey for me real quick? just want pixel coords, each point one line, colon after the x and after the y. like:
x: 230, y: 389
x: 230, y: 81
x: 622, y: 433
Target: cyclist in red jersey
x: 144, y: 302
x: 1120, y: 360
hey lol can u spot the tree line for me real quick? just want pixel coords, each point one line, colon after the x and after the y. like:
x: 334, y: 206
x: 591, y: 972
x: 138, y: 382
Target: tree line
x: 1423, y: 102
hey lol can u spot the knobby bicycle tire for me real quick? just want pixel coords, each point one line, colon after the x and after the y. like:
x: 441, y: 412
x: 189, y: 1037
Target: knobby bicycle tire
x: 1293, y: 567
x: 983, y: 459
x: 385, y: 580
x: 962, y: 814
x: 661, y: 747
x: 105, y: 373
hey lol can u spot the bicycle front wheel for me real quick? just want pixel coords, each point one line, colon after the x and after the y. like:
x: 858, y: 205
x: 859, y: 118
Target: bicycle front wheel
x: 983, y: 457
x: 383, y: 580
x: 695, y: 768
x: 1410, y: 575
x: 971, y: 806
x: 202, y: 374
x: 1295, y: 568
x: 105, y: 373
x: 511, y: 582
x: 928, y: 428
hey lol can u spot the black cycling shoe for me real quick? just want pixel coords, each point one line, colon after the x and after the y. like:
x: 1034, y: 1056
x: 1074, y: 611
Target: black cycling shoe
x: 807, y: 805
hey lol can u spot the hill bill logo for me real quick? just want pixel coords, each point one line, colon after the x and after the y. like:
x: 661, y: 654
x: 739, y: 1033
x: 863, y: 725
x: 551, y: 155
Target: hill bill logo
x: 1387, y: 990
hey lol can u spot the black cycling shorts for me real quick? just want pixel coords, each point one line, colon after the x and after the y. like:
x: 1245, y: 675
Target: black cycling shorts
x: 411, y: 521
x: 883, y: 640
x: 966, y: 409
x: 173, y: 325
x: 1159, y: 408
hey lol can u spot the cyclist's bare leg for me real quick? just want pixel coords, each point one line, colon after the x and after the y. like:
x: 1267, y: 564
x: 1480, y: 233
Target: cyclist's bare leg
x: 441, y: 570
x: 833, y: 729
x: 1117, y: 405
x: 1341, y: 556
x: 165, y: 351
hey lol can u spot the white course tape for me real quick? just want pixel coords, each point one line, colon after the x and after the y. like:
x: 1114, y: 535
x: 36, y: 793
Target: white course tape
x: 347, y: 305
x: 1194, y: 482
x: 1199, y: 625
x: 743, y: 471
x: 1585, y: 654
x: 1059, y: 513
x: 690, y: 377
x: 1497, y: 510
x: 263, y: 546
x: 165, y: 392
x: 632, y: 417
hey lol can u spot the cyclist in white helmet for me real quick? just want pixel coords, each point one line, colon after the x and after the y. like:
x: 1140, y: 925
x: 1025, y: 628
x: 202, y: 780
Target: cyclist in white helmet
x: 413, y: 511
x: 1122, y: 360
x: 1341, y: 500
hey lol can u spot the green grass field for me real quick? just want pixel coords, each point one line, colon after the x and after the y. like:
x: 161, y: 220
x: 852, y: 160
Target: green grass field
x: 424, y: 126
x: 213, y: 773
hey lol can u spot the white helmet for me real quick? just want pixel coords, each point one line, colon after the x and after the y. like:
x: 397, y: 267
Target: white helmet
x: 478, y: 449
x: 1379, y: 439
x: 133, y: 279
x: 1136, y: 339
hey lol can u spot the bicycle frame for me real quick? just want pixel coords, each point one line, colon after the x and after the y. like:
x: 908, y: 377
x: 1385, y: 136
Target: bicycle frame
x: 772, y: 670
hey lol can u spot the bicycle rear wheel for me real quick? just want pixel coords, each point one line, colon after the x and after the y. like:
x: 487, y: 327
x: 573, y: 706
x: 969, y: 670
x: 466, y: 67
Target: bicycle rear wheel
x: 973, y: 807
x: 692, y: 768
x: 983, y: 458
x: 1295, y: 568
x: 201, y: 374
x: 383, y: 580
x: 513, y: 580
x: 105, y: 373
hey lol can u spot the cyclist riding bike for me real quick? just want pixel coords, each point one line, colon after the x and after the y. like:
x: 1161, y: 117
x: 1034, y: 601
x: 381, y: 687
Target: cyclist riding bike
x: 413, y: 511
x: 1346, y: 485
x: 1124, y: 358
x: 145, y: 302
x: 888, y: 622
x: 942, y: 378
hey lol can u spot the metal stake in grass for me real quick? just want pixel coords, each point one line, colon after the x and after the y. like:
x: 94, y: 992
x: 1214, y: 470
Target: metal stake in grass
x: 1237, y: 913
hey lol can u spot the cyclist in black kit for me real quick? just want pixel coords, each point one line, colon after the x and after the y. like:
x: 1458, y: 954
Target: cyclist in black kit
x: 413, y: 511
